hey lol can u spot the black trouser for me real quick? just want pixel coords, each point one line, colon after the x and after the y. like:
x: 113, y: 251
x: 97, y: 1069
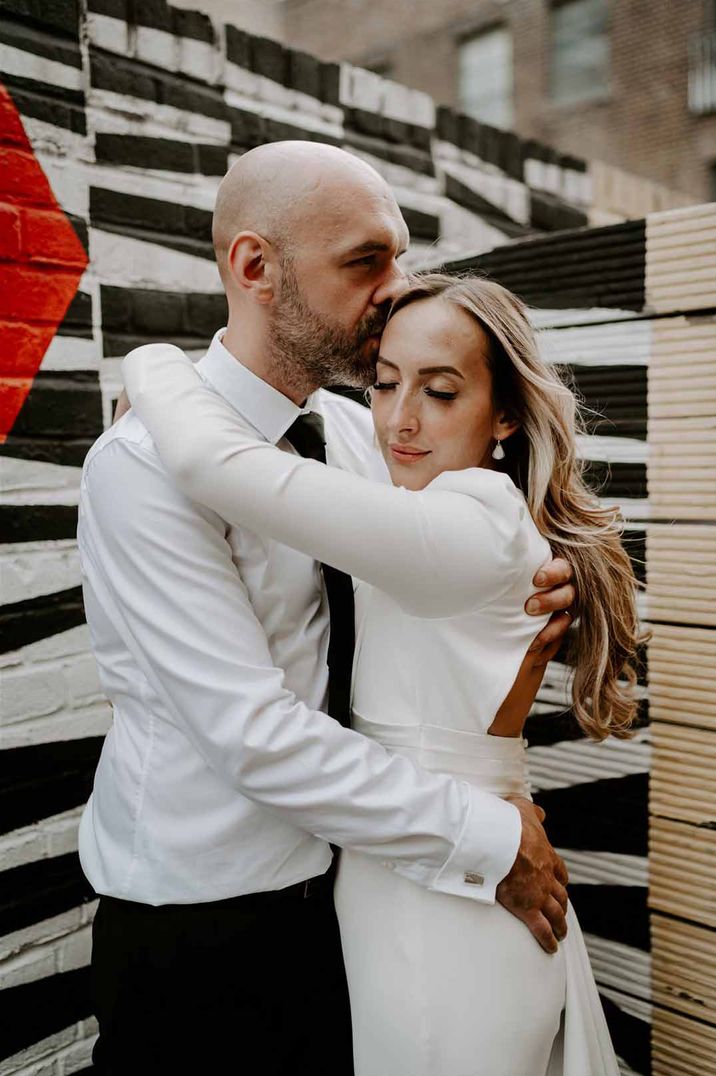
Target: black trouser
x: 251, y: 985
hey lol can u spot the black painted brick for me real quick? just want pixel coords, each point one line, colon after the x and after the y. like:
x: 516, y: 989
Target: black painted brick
x: 157, y: 312
x: 330, y: 83
x: 46, y: 779
x: 52, y: 104
x: 60, y: 15
x: 37, y: 523
x: 605, y: 815
x: 550, y: 214
x: 205, y: 313
x: 38, y: 1009
x: 61, y: 403
x: 142, y: 152
x: 154, y: 13
x: 268, y: 58
x: 211, y: 160
x: 78, y: 319
x: 193, y: 24
x: 40, y: 42
x: 27, y: 621
x: 247, y: 128
x: 117, y: 9
x: 447, y: 125
x: 304, y: 73
x: 238, y: 46
x: 421, y: 225
x: 138, y: 212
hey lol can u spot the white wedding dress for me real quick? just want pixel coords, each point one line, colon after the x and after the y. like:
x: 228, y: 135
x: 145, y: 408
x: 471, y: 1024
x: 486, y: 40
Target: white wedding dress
x: 442, y: 986
x: 439, y: 985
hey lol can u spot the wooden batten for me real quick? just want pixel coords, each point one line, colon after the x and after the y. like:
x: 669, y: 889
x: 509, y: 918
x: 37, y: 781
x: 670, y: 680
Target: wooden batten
x: 681, y: 589
x: 680, y: 1046
x: 682, y: 870
x: 681, y: 259
x: 684, y: 967
x: 683, y: 764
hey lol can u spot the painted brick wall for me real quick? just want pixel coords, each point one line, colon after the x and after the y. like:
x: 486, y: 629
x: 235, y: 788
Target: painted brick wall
x: 115, y: 133
x: 642, y: 125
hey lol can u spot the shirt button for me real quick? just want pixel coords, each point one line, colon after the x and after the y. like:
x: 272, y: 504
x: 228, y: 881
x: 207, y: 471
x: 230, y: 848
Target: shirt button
x: 473, y: 878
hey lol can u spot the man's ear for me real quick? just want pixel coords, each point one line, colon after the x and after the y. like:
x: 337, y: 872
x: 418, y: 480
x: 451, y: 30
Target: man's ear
x: 252, y: 265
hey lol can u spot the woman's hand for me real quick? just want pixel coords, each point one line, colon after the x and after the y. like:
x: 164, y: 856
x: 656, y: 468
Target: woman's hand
x: 555, y: 575
x: 557, y: 596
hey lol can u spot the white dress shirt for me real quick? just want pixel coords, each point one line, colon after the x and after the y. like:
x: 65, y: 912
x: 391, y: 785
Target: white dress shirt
x: 220, y: 774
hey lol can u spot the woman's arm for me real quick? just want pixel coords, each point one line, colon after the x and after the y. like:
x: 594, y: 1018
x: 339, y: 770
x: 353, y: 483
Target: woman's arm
x: 439, y: 552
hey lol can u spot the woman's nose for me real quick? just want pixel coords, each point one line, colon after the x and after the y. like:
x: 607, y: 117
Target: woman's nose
x: 405, y: 416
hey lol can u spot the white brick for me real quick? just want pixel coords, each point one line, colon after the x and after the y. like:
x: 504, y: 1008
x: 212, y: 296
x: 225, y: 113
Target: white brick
x: 66, y: 724
x: 108, y: 33
x: 115, y: 113
x: 46, y: 934
x: 156, y: 47
x: 64, y: 644
x: 53, y: 836
x: 35, y: 1060
x: 82, y: 679
x: 36, y: 568
x: 27, y: 693
x: 199, y: 59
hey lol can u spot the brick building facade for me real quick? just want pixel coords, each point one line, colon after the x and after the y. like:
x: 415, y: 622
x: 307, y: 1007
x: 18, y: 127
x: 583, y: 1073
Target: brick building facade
x: 641, y: 120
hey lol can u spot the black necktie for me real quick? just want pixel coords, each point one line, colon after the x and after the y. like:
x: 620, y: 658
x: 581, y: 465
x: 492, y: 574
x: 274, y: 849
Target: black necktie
x: 307, y: 437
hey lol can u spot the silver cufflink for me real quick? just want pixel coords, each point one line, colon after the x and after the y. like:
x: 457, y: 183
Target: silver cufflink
x: 473, y: 878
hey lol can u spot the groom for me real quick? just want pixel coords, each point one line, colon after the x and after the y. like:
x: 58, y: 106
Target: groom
x: 223, y: 778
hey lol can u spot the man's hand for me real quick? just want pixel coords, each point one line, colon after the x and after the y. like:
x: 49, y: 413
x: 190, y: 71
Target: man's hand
x: 534, y: 890
x: 560, y: 594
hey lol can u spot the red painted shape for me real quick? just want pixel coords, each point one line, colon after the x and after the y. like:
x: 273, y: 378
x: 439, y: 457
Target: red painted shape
x: 41, y: 263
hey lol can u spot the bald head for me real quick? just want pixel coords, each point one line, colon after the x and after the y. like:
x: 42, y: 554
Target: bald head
x: 282, y: 190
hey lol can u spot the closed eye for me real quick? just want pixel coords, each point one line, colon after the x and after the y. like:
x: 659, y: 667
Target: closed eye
x: 440, y: 395
x: 383, y: 385
x: 368, y: 259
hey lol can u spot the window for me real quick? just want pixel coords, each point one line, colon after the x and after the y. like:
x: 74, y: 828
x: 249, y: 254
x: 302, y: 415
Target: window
x: 485, y: 77
x: 579, y: 47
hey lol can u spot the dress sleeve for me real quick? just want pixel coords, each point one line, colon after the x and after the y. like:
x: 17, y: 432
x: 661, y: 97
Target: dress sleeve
x: 442, y: 551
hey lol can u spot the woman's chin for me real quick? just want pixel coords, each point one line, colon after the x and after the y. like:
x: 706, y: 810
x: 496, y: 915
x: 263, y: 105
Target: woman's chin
x: 409, y: 477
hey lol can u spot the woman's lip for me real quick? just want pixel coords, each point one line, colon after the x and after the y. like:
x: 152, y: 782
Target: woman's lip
x: 406, y: 455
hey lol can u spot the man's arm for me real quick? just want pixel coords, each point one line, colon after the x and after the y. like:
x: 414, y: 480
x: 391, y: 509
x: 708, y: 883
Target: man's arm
x: 162, y: 570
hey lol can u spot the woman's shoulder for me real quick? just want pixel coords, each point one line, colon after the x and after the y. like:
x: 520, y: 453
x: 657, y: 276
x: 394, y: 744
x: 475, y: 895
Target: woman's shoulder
x: 492, y: 488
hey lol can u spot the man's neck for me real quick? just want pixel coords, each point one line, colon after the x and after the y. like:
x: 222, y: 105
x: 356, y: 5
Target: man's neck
x: 248, y: 349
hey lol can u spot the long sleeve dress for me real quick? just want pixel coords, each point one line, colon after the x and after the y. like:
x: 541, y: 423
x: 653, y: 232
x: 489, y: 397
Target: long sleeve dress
x: 439, y: 985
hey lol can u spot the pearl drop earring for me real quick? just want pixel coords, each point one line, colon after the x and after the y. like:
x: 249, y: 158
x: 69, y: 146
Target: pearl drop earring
x: 498, y: 452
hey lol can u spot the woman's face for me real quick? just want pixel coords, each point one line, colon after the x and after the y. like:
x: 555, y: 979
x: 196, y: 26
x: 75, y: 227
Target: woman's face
x: 432, y: 403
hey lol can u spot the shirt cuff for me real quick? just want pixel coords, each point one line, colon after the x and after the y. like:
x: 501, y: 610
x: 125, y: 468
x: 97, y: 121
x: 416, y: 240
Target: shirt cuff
x: 485, y: 851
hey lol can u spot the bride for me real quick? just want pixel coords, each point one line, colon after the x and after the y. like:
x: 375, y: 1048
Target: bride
x: 478, y: 435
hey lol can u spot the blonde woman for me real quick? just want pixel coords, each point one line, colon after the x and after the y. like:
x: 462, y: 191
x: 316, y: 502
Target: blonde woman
x: 478, y: 435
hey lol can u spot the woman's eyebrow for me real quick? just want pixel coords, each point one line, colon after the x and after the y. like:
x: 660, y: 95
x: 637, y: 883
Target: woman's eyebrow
x: 441, y: 370
x: 425, y: 369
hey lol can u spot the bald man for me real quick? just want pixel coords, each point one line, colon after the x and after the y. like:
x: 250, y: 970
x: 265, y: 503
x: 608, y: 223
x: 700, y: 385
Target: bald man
x: 230, y: 770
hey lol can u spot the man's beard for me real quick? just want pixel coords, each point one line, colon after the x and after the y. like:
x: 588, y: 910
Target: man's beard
x: 324, y: 353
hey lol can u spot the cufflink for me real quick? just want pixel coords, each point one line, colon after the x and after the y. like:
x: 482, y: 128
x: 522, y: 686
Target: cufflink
x: 473, y: 878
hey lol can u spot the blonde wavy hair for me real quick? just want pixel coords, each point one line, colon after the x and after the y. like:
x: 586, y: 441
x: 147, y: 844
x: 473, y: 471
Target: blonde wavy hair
x: 541, y: 458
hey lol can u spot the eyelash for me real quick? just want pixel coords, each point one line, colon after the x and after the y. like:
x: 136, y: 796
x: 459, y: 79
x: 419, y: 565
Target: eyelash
x: 384, y: 386
x: 369, y: 259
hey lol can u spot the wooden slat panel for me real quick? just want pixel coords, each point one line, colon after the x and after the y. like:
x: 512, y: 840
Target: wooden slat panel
x: 683, y: 766
x: 682, y: 864
x: 682, y: 672
x: 680, y: 589
x: 682, y: 1047
x: 684, y: 967
x: 681, y: 259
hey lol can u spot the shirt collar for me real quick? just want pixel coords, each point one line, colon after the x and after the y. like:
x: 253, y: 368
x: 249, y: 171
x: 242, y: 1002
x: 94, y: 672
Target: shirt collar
x: 268, y: 410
